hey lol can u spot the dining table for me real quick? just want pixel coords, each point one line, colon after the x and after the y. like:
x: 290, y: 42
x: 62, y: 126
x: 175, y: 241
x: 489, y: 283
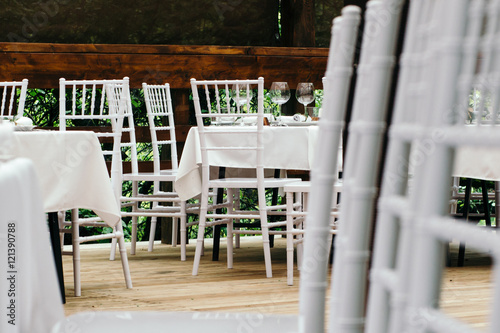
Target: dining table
x: 288, y: 147
x: 479, y: 163
x: 285, y: 147
x: 72, y: 173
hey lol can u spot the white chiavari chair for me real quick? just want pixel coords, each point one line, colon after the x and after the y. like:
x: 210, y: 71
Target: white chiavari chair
x: 362, y: 165
x: 13, y: 97
x: 210, y: 143
x: 163, y: 200
x: 446, y: 39
x: 335, y: 84
x: 91, y: 103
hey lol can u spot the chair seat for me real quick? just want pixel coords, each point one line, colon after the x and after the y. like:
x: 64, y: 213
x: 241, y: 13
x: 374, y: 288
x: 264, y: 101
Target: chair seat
x: 250, y: 182
x: 151, y: 176
x: 298, y: 186
x: 207, y: 322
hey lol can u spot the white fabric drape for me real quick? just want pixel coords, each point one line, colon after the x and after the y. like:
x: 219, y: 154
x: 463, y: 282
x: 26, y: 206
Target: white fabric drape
x: 30, y: 297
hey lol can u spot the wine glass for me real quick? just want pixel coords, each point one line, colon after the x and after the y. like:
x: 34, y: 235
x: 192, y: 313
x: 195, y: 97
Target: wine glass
x: 280, y: 94
x: 305, y: 94
x: 241, y: 93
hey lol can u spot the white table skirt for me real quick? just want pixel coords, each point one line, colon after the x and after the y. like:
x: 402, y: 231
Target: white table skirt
x: 478, y: 163
x: 71, y: 169
x: 29, y: 293
x: 287, y: 148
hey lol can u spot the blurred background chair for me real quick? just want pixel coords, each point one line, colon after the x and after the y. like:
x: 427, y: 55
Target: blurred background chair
x: 413, y: 225
x: 86, y: 103
x: 13, y: 97
x: 218, y: 139
x: 161, y: 200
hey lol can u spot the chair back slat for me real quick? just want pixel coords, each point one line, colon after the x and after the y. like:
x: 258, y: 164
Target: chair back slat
x: 161, y: 118
x: 441, y: 58
x: 13, y: 98
x: 313, y: 277
x: 214, y: 111
x: 362, y: 164
x: 85, y: 102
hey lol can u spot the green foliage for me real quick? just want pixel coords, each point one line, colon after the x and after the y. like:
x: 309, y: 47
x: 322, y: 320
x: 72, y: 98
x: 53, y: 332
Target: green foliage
x: 476, y: 206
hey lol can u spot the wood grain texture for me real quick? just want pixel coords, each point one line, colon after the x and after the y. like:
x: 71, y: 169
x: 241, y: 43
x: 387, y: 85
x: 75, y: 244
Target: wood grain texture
x: 163, y: 283
x: 43, y: 64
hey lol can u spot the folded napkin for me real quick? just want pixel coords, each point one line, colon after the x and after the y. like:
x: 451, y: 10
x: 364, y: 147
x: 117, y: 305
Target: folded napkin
x: 295, y: 118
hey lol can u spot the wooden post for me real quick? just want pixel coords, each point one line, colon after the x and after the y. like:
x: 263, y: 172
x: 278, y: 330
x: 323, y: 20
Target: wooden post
x: 298, y: 23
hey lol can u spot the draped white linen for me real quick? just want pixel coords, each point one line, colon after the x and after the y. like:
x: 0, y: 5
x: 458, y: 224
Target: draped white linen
x: 30, y: 297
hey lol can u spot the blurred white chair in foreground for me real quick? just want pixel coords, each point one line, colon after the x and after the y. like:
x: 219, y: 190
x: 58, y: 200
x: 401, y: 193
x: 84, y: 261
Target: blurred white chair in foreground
x: 445, y: 40
x: 336, y: 91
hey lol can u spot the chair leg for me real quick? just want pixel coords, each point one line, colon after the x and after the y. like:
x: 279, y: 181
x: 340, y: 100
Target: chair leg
x: 112, y: 253
x: 229, y: 246
x: 201, y: 233
x: 76, y: 252
x: 267, y: 251
x: 289, y: 238
x: 461, y: 248
x: 123, y: 255
x: 486, y: 206
x: 152, y: 232
x: 497, y: 203
x: 300, y: 244
x: 237, y: 236
x: 183, y: 230
x: 135, y: 207
x: 175, y: 222
x: 133, y: 241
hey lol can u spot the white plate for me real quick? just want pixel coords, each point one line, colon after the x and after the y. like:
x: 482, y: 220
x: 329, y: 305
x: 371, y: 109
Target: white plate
x: 301, y: 123
x: 222, y: 123
x: 23, y: 128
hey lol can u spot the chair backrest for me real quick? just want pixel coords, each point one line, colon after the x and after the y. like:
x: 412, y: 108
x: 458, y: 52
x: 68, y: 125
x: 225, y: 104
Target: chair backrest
x: 407, y: 119
x: 161, y: 118
x: 13, y: 94
x: 446, y: 39
x: 219, y: 107
x: 324, y: 172
x: 362, y: 164
x: 84, y: 103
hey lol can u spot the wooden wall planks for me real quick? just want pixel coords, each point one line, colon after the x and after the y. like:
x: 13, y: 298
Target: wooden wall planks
x: 43, y: 64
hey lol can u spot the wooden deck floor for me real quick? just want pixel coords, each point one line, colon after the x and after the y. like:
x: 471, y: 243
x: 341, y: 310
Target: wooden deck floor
x: 162, y: 282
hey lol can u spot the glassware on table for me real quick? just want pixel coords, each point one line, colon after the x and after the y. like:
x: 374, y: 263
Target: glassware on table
x: 314, y: 112
x: 305, y: 94
x: 241, y: 94
x: 280, y: 94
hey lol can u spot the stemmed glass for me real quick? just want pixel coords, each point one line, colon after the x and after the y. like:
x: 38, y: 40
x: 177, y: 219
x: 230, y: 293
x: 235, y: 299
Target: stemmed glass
x: 241, y: 94
x: 280, y: 94
x: 305, y: 94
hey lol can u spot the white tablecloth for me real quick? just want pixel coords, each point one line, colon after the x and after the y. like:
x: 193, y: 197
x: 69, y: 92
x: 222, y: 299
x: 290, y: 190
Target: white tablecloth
x: 29, y: 293
x: 479, y: 163
x: 71, y: 170
x: 287, y: 148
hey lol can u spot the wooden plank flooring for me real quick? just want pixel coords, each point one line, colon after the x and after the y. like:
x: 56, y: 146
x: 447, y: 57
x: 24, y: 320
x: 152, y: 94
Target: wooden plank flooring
x: 162, y: 282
